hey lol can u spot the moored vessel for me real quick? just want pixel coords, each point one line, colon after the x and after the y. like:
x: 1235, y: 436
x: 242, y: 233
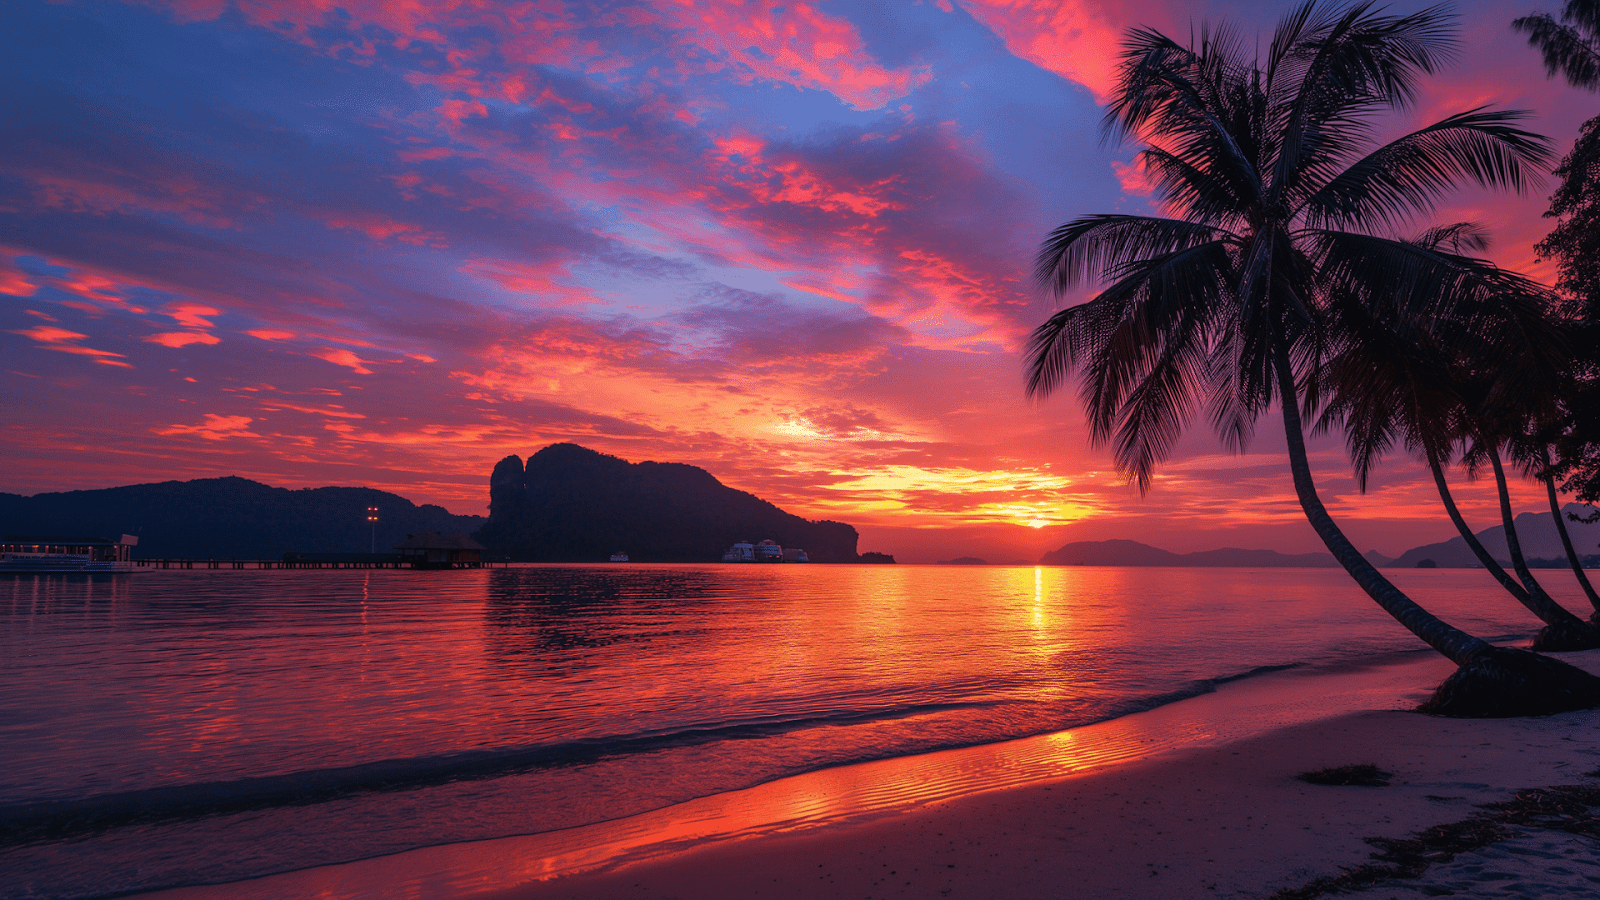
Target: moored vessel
x: 24, y: 554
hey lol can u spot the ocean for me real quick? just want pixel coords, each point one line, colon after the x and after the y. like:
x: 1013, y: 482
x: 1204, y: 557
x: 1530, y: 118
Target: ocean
x: 184, y: 727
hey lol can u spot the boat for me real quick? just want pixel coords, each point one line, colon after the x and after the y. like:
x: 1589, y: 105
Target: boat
x: 768, y: 551
x: 22, y: 554
x: 619, y: 556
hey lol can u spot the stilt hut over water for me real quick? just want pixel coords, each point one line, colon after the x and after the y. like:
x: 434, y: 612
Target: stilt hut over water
x: 431, y: 550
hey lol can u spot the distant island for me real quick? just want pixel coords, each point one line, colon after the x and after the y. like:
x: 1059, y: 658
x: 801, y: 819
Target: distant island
x: 1537, y: 531
x: 573, y: 504
x: 1133, y: 553
x: 964, y: 561
x: 229, y: 518
x: 568, y: 504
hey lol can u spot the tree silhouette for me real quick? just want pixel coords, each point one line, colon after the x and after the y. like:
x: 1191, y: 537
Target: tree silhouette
x: 1571, y: 47
x: 1277, y: 189
x: 1392, y: 382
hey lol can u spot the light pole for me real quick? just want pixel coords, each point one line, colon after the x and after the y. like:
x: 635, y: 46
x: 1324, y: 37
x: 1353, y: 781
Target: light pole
x: 372, y: 516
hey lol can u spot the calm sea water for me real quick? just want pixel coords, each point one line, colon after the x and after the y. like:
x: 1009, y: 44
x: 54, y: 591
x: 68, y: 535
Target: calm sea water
x: 183, y: 727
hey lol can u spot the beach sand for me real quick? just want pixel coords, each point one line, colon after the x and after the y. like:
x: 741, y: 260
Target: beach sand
x: 1195, y: 799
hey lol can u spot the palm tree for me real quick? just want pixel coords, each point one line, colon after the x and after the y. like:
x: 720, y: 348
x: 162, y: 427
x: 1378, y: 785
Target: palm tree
x: 1574, y: 560
x: 1238, y: 296
x: 1393, y: 382
x: 1520, y: 419
x: 1570, y: 46
x: 1570, y: 637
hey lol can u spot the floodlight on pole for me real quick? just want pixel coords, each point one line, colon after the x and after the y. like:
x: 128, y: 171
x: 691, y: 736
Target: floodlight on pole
x: 372, y: 516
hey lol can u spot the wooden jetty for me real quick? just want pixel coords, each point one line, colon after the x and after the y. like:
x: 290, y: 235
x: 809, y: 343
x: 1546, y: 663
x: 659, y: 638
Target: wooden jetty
x: 396, y: 563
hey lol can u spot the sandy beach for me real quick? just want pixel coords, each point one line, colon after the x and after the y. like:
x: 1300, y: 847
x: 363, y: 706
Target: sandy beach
x: 1194, y: 799
x: 1231, y: 821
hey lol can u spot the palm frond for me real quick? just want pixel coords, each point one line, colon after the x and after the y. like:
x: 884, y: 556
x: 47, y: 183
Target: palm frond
x: 1333, y: 69
x: 1101, y: 247
x: 1565, y: 48
x: 1407, y: 175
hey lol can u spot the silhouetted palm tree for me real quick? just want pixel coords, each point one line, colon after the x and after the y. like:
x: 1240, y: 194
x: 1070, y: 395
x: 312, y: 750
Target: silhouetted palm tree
x: 1275, y: 189
x: 1571, y: 46
x: 1574, y: 559
x: 1392, y: 381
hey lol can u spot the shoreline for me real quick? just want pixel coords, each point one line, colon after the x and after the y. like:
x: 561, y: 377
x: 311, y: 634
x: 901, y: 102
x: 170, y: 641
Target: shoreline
x: 1243, y: 739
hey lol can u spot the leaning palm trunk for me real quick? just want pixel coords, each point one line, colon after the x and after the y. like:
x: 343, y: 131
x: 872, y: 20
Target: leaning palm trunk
x: 1563, y: 630
x: 1485, y: 558
x: 1566, y: 542
x: 1456, y: 645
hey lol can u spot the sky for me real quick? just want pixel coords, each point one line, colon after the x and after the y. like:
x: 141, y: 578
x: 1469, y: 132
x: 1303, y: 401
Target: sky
x: 389, y: 243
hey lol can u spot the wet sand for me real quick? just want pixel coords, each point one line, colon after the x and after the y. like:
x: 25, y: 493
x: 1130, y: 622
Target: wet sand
x: 1194, y: 799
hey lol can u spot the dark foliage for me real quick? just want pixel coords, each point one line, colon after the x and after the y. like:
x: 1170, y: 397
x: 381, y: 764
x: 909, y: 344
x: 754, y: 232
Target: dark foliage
x: 1571, y: 44
x: 1575, y: 241
x: 228, y: 518
x: 1576, y: 445
x: 572, y: 504
x: 1502, y: 682
x: 1360, y: 774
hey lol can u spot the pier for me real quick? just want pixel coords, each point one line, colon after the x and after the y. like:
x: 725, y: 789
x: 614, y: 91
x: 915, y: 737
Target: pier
x: 298, y: 564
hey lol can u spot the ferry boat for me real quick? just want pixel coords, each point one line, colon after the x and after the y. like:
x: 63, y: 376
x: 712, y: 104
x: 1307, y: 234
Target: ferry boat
x: 768, y: 551
x: 44, y: 555
x: 619, y: 556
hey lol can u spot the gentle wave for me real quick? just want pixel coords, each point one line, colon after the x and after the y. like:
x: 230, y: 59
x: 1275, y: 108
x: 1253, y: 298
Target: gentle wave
x: 55, y: 819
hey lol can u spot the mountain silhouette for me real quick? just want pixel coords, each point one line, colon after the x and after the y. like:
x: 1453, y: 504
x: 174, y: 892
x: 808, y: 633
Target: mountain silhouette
x: 1536, y: 531
x: 1133, y: 553
x: 228, y: 518
x: 573, y: 504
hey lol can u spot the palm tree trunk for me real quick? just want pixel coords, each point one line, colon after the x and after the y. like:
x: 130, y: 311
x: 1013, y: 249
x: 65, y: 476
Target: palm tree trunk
x: 1485, y: 558
x: 1566, y: 539
x: 1456, y: 645
x: 1542, y: 606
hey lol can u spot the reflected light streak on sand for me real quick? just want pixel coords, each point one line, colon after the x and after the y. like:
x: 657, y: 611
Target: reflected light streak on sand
x: 855, y: 793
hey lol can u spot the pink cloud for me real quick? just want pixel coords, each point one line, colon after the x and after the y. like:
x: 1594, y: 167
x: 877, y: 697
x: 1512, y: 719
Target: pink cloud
x: 745, y: 40
x: 343, y: 358
x: 337, y: 412
x: 64, y: 341
x: 15, y: 282
x: 794, y: 43
x: 1073, y: 38
x: 214, y: 428
x: 539, y: 280
x: 190, y: 315
x: 1134, y: 178
x: 270, y: 334
x: 379, y: 228
x: 176, y: 339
